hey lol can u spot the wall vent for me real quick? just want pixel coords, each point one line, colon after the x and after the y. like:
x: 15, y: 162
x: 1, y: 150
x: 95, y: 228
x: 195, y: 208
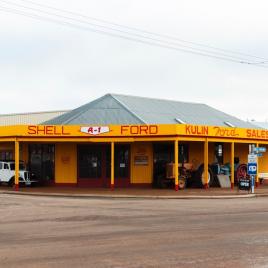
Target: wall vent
x: 180, y: 121
x: 229, y: 124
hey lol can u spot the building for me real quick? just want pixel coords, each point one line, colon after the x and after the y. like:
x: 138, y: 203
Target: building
x: 123, y: 141
x: 28, y: 118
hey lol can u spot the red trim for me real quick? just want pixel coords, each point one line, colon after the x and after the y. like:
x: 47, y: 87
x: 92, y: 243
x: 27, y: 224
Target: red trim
x: 94, y: 183
x: 16, y: 187
x: 232, y: 185
x: 257, y: 184
x: 206, y: 186
x: 141, y: 185
x: 176, y: 187
x: 64, y: 184
x: 112, y: 187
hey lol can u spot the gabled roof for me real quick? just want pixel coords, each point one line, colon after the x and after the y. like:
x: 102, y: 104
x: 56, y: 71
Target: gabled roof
x: 28, y: 118
x: 263, y: 125
x: 122, y: 109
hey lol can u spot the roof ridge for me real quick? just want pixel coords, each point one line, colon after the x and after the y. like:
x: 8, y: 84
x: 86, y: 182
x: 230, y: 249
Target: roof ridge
x: 125, y: 107
x: 82, y: 111
x: 159, y: 99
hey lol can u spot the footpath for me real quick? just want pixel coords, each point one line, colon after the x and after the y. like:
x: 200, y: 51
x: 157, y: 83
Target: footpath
x: 149, y: 193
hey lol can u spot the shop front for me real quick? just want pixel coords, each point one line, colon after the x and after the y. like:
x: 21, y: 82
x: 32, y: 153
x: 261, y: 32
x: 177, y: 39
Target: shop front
x: 129, y: 155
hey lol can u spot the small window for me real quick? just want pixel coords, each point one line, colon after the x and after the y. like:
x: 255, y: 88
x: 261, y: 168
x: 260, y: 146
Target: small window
x: 6, y: 166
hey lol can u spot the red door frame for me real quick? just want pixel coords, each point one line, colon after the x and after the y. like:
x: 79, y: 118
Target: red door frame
x: 104, y: 180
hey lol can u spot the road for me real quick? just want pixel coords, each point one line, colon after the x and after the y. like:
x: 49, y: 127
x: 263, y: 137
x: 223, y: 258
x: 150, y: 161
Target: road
x: 69, y: 232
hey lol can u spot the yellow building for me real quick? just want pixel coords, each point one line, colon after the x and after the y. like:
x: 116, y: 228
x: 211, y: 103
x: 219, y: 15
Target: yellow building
x: 125, y: 141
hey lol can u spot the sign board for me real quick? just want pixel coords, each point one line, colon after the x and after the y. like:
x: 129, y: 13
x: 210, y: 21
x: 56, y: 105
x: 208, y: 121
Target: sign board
x: 252, y: 168
x: 260, y: 149
x: 244, y: 184
x: 252, y: 158
x: 141, y: 160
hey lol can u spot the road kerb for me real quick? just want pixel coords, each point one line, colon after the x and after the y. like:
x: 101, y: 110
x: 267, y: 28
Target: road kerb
x: 114, y: 196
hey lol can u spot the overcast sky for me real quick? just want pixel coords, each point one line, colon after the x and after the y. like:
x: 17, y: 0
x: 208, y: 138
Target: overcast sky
x: 45, y: 66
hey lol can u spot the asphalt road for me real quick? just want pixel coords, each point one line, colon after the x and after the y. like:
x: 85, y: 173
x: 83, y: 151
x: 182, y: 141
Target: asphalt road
x: 65, y: 232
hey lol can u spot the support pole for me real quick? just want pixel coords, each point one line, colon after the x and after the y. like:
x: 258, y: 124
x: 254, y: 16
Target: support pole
x: 17, y: 165
x: 257, y: 176
x: 206, y: 185
x: 112, y: 166
x: 232, y: 165
x: 176, y: 164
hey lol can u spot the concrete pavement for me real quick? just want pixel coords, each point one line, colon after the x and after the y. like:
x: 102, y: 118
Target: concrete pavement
x: 211, y: 193
x: 73, y: 232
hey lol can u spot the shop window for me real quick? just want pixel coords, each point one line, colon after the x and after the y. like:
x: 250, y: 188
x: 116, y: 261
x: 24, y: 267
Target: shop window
x: 6, y: 156
x: 42, y: 161
x: 89, y: 161
x: 219, y: 153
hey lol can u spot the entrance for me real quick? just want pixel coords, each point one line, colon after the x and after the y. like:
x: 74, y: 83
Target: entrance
x: 42, y: 162
x: 94, y: 165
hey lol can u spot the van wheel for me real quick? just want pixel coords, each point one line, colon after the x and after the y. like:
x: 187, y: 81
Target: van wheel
x: 11, y: 182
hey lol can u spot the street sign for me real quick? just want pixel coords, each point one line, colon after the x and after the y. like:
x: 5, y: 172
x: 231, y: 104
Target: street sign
x: 260, y: 149
x: 259, y: 155
x: 252, y: 168
x: 252, y: 158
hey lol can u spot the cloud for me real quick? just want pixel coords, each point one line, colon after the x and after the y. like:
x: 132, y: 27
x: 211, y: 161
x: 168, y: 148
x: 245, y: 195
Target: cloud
x: 44, y: 66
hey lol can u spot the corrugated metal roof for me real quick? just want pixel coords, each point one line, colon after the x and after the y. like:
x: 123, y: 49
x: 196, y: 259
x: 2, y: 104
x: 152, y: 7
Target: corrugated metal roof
x: 260, y: 124
x: 28, y: 118
x: 122, y: 109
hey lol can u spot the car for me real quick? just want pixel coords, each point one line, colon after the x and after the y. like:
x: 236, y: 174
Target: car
x: 7, y: 173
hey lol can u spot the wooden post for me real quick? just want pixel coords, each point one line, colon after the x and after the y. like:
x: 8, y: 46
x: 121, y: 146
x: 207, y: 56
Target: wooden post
x: 112, y: 166
x: 232, y: 165
x: 206, y: 185
x: 257, y: 176
x: 17, y: 164
x: 176, y: 164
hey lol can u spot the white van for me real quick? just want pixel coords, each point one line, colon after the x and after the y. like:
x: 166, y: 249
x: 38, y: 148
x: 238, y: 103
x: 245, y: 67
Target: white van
x: 7, y: 173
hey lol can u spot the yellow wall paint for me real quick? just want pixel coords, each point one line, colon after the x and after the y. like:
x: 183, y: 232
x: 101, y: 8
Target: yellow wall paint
x: 24, y: 152
x: 263, y: 161
x: 196, y: 153
x: 66, y: 163
x: 141, y: 173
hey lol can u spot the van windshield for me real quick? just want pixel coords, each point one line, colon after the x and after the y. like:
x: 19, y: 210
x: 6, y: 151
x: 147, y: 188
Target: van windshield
x: 21, y: 166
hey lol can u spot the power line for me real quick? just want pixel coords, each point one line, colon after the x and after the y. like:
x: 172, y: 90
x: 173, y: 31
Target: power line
x: 154, y: 43
x: 131, y: 34
x: 140, y: 30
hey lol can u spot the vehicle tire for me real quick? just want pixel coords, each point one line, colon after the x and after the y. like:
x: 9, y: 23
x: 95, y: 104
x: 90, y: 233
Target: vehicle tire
x: 200, y: 175
x: 241, y: 173
x: 11, y: 182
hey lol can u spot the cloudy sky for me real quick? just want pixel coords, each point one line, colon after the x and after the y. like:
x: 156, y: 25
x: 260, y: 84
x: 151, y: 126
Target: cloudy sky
x: 47, y: 66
